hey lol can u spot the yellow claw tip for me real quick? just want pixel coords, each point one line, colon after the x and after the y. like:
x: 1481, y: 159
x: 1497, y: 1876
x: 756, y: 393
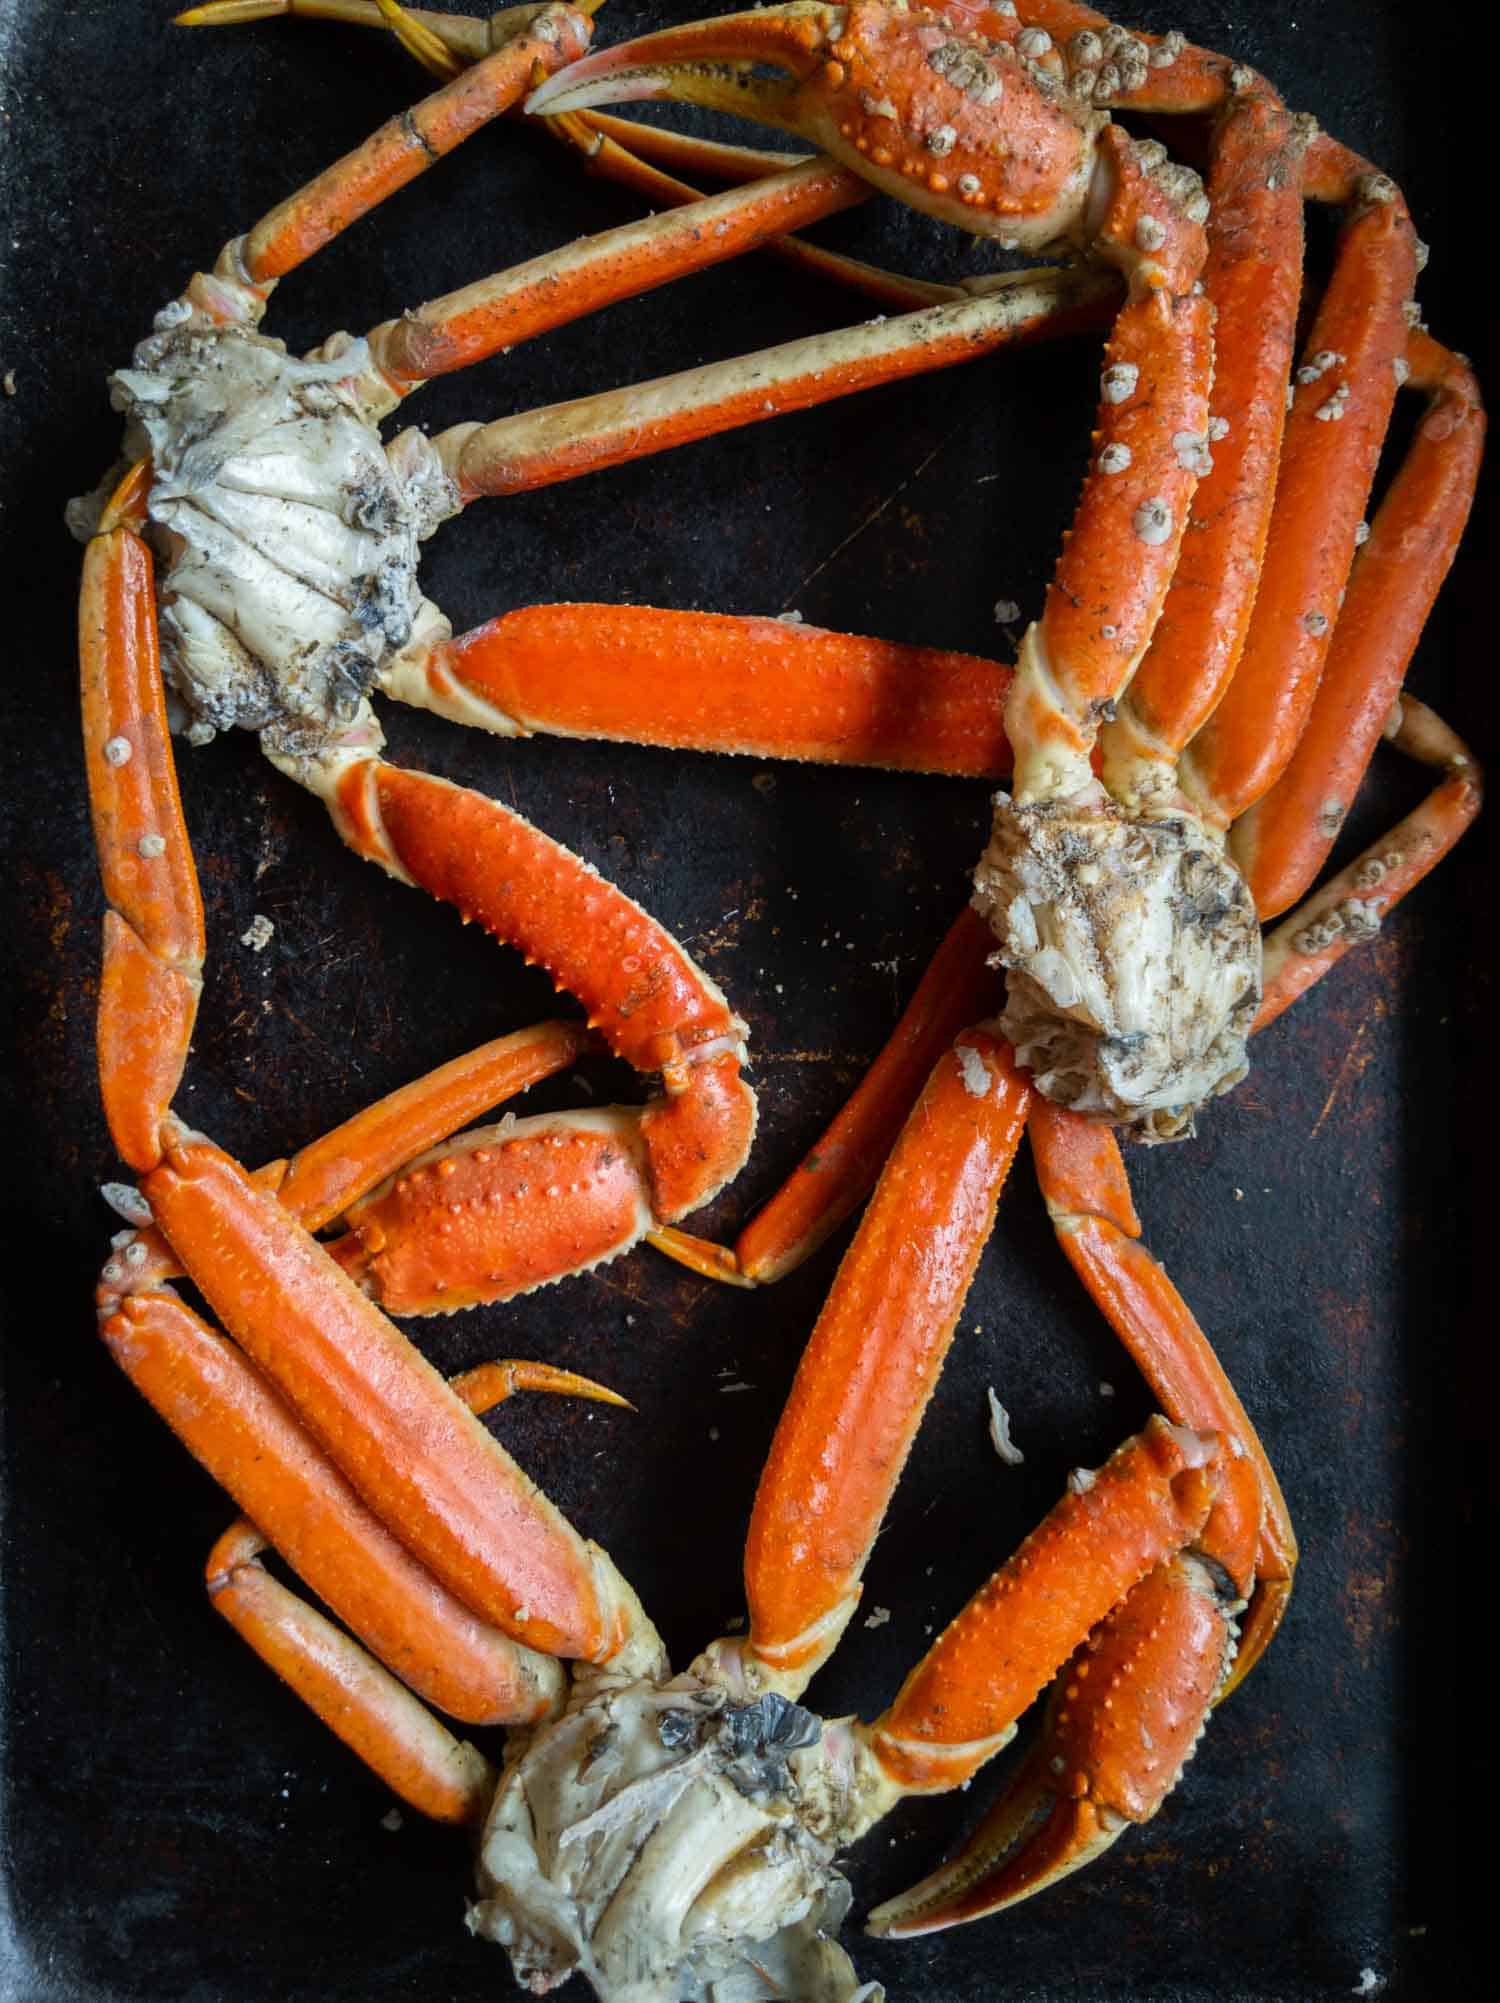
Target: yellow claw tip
x: 700, y: 1256
x: 229, y: 13
x: 418, y: 40
x: 604, y: 1396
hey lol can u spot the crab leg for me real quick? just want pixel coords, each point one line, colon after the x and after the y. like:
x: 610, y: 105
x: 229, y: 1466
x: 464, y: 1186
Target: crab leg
x: 561, y: 441
x: 1088, y: 1199
x: 960, y: 1704
x: 1340, y: 410
x: 320, y: 1182
x: 873, y: 1358
x: 626, y: 154
x: 378, y: 1718
x: 153, y: 931
x: 374, y: 1713
x: 494, y: 313
x: 706, y: 681
x: 1284, y: 840
x: 1349, y: 907
x: 237, y: 1427
x: 554, y: 1194
x: 1126, y: 1712
x: 409, y: 1447
x: 403, y: 148
x: 1255, y: 199
x: 1123, y: 1721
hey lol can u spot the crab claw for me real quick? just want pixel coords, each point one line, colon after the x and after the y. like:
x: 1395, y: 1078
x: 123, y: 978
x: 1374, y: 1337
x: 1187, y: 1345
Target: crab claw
x: 722, y: 64
x: 1124, y: 1718
x: 973, y: 128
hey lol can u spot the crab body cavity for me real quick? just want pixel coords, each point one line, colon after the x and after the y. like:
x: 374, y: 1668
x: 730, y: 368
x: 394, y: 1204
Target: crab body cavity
x: 1134, y: 956
x: 675, y: 1846
x: 288, y: 530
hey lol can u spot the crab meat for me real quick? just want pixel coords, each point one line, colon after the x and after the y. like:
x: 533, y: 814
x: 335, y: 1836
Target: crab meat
x: 1133, y: 951
x: 670, y: 1843
x: 289, y: 531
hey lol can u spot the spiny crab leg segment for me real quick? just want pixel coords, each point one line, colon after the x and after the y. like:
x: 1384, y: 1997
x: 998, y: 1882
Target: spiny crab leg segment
x: 321, y: 1181
x: 494, y: 313
x: 624, y: 153
x: 604, y: 1178
x: 707, y: 681
x: 407, y: 146
x: 1124, y: 1719
x: 959, y: 1706
x: 1254, y: 200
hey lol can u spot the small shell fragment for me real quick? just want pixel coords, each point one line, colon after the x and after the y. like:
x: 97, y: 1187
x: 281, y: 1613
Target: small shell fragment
x: 1000, y: 1438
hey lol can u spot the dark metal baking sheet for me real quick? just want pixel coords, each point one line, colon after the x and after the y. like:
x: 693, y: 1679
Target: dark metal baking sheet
x: 175, y: 1826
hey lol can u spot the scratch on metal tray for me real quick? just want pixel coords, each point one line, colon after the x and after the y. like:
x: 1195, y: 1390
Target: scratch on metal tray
x: 874, y: 516
x: 1349, y: 1070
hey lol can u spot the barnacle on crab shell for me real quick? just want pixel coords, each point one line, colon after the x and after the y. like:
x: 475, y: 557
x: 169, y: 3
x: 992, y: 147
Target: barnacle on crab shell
x: 672, y: 1846
x: 1133, y: 953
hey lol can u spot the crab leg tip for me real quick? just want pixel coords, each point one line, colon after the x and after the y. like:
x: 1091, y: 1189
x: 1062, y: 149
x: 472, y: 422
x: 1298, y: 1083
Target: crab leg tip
x: 490, y: 1384
x: 701, y: 1256
x: 229, y: 13
x: 721, y: 64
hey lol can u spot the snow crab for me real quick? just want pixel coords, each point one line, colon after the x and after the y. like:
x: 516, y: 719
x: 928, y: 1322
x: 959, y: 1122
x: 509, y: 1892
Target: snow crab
x: 348, y: 1454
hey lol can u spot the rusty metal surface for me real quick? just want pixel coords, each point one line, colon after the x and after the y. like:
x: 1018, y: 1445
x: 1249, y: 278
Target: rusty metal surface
x: 175, y: 1826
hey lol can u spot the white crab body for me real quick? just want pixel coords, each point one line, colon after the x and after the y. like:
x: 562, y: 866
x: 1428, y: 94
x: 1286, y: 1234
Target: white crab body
x: 289, y: 531
x: 674, y: 1846
x: 1133, y: 951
